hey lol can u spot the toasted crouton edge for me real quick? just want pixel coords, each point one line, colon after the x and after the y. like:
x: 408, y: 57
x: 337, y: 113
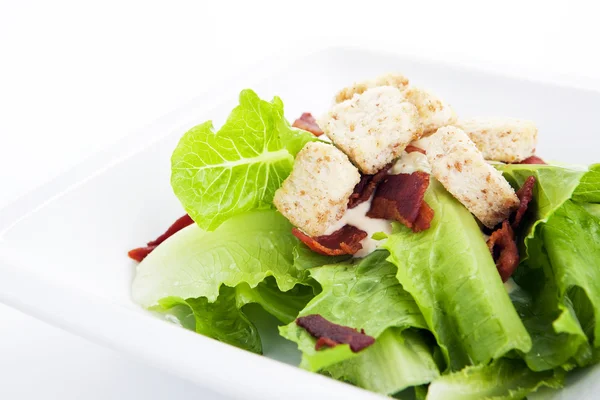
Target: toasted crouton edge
x: 501, y: 139
x: 315, y: 195
x: 392, y: 79
x: 373, y: 128
x: 462, y: 170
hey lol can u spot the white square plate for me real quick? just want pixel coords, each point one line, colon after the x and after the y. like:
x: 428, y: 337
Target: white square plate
x: 63, y: 247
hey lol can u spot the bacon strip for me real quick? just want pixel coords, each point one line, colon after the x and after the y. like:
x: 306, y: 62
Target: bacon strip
x: 330, y: 335
x: 367, y: 185
x: 410, y: 148
x: 502, y: 242
x: 140, y: 253
x: 532, y: 160
x: 525, y: 194
x: 423, y: 221
x: 343, y: 241
x: 401, y: 198
x: 308, y: 123
x: 504, y: 249
x: 324, y: 342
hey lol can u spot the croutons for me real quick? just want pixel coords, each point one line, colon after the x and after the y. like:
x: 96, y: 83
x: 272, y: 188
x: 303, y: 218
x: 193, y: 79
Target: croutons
x: 316, y: 193
x: 501, y: 139
x: 433, y: 111
x: 373, y: 128
x: 396, y: 80
x: 461, y: 168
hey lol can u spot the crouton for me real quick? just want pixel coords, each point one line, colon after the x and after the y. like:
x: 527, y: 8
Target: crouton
x: 501, y: 139
x: 316, y: 193
x: 461, y: 168
x: 396, y: 80
x: 373, y: 128
x: 433, y: 111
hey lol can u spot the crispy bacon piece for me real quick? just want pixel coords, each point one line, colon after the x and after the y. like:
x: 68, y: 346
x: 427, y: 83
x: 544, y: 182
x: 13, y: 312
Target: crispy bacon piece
x: 308, y: 123
x: 367, y: 185
x: 532, y: 160
x: 330, y: 335
x: 423, y: 221
x: 400, y: 198
x: 504, y: 249
x: 525, y: 194
x: 343, y: 241
x: 410, y: 148
x: 141, y: 252
x: 324, y: 342
x: 502, y: 242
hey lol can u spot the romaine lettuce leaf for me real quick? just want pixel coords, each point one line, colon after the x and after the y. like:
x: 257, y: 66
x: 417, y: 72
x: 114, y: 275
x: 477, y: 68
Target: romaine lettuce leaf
x: 571, y: 240
x: 203, y: 279
x: 221, y: 320
x: 562, y: 248
x: 554, y: 186
x: 217, y: 175
x: 550, y: 349
x: 502, y: 379
x: 396, y: 361
x: 592, y: 208
x: 194, y: 263
x: 588, y: 190
x: 362, y: 294
x: 284, y: 306
x: 305, y: 258
x: 421, y: 392
x: 225, y: 319
x: 450, y: 273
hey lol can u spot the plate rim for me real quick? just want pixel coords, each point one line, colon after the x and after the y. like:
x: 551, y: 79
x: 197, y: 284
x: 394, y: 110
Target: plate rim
x: 20, y: 289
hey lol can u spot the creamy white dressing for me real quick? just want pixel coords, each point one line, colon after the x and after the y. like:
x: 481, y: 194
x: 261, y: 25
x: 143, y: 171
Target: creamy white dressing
x: 357, y: 217
x: 411, y: 162
x: 492, y: 162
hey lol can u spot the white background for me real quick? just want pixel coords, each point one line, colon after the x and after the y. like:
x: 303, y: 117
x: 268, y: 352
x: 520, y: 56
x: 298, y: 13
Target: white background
x: 75, y: 77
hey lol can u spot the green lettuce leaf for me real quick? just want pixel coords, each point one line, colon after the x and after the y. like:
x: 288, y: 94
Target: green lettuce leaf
x: 204, y: 279
x: 221, y: 320
x: 217, y: 175
x: 571, y: 240
x: 450, y: 273
x: 194, y: 263
x: 396, y: 361
x: 503, y: 379
x: 560, y: 266
x: 351, y: 293
x: 551, y: 349
x: 305, y: 258
x: 588, y: 190
x: 379, y: 236
x: 592, y: 208
x: 285, y: 306
x: 225, y: 319
x: 554, y: 185
x: 421, y: 392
